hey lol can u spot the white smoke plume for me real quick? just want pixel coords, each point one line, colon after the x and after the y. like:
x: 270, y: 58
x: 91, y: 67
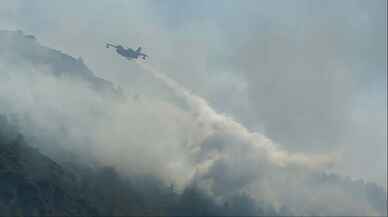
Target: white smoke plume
x: 213, y: 122
x: 229, y: 159
x: 186, y: 145
x: 152, y: 136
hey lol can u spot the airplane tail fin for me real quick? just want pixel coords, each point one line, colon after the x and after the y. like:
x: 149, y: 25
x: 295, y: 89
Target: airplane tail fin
x: 138, y: 50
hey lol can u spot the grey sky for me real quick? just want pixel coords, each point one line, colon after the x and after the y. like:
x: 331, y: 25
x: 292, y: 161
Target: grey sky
x: 311, y: 75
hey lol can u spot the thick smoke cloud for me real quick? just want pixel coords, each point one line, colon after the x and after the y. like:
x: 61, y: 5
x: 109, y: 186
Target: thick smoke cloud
x: 299, y: 71
x: 232, y: 160
x: 292, y: 77
x: 189, y: 145
x: 125, y: 135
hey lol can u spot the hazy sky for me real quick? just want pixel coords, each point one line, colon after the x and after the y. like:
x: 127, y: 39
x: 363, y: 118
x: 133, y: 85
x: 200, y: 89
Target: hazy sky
x: 311, y: 75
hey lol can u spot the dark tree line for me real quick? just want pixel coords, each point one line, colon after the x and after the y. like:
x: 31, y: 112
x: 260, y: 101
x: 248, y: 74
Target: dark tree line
x: 33, y: 184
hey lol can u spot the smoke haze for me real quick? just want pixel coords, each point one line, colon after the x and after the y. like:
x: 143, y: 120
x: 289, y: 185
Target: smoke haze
x: 264, y: 100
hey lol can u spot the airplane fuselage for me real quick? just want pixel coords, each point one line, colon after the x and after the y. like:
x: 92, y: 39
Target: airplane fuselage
x: 128, y: 53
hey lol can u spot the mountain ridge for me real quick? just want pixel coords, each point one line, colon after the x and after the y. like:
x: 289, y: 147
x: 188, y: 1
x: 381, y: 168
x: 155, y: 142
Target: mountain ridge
x: 19, y: 48
x: 33, y: 183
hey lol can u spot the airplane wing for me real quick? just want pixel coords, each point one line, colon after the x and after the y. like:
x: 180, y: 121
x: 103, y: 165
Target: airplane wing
x: 110, y: 45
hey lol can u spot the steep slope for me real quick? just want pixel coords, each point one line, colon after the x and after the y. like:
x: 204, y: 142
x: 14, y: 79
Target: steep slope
x: 32, y: 184
x: 20, y: 49
x: 67, y: 184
